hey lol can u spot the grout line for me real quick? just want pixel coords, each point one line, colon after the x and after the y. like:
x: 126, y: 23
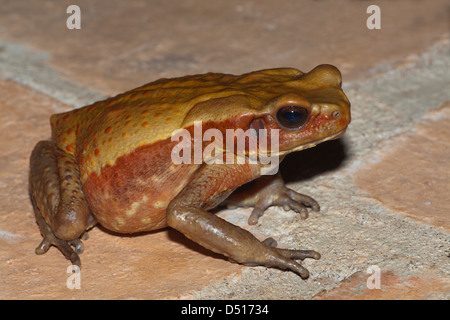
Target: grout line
x: 21, y: 64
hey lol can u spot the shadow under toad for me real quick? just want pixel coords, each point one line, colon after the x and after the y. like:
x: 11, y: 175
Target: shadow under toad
x: 306, y: 164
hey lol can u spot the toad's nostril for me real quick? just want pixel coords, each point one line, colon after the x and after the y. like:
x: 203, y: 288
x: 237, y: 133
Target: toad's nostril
x: 336, y: 114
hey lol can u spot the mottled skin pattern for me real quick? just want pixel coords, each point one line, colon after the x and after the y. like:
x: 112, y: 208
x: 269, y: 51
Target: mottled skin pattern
x: 110, y: 162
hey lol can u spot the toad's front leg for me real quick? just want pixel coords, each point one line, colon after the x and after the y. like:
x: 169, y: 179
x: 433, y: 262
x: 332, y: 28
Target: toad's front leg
x: 188, y: 214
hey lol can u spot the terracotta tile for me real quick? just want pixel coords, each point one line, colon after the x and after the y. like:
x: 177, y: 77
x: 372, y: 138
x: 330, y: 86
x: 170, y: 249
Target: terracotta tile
x: 412, y: 175
x: 130, y: 43
x: 422, y: 285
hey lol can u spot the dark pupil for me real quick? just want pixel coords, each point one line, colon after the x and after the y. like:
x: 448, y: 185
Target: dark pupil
x: 292, y: 116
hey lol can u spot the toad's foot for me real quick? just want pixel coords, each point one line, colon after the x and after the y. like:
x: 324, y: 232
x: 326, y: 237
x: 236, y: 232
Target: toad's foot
x: 64, y: 246
x: 286, y: 198
x: 270, y: 191
x: 60, y: 208
x: 292, y: 253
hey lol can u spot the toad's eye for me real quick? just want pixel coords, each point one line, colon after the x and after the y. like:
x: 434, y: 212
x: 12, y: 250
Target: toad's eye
x: 292, y: 117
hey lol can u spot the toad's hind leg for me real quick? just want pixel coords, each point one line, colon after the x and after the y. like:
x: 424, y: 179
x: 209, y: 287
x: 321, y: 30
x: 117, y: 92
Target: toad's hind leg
x: 58, y: 201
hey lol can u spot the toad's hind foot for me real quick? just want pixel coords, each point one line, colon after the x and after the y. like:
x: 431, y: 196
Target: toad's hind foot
x: 60, y: 208
x: 64, y: 246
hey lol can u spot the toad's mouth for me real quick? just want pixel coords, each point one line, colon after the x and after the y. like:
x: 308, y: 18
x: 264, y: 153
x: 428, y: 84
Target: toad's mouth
x: 303, y: 146
x: 316, y: 142
x: 262, y: 155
